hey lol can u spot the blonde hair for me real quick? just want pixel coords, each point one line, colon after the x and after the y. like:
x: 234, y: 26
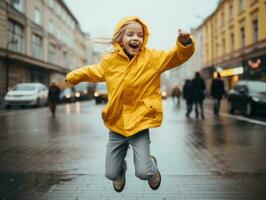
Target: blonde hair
x: 118, y: 36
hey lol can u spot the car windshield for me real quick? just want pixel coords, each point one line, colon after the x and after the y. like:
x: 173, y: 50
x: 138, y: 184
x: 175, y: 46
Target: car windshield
x: 24, y: 87
x: 67, y: 90
x: 257, y: 86
x: 101, y: 86
x: 81, y: 86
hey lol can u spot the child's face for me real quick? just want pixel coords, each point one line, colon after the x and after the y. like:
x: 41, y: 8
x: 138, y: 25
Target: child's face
x: 132, y: 39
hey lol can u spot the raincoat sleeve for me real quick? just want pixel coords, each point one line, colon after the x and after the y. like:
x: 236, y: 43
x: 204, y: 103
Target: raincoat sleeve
x: 89, y: 73
x: 174, y: 57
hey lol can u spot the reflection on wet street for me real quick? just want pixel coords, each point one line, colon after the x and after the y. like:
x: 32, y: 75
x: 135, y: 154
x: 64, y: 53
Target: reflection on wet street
x: 63, y: 158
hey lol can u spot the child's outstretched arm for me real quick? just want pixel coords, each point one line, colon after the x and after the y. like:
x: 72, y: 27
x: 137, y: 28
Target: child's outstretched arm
x: 183, y: 50
x: 90, y: 73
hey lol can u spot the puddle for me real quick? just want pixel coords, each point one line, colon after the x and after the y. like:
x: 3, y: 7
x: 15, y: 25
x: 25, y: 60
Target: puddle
x: 30, y: 186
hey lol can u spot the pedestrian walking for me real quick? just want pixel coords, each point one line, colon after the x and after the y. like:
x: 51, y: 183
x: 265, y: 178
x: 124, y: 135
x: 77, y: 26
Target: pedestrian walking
x: 188, y: 96
x: 176, y: 94
x: 132, y: 74
x: 217, y: 92
x: 53, y: 97
x: 198, y: 91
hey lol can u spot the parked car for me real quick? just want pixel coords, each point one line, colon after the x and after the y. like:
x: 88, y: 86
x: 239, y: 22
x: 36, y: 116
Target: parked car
x: 24, y: 94
x: 67, y: 95
x: 248, y: 97
x: 100, y: 93
x: 82, y: 91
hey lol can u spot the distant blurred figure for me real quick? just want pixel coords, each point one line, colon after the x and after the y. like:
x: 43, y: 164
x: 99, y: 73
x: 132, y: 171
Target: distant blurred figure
x: 217, y: 92
x: 53, y: 97
x: 188, y: 96
x: 176, y: 94
x: 198, y: 91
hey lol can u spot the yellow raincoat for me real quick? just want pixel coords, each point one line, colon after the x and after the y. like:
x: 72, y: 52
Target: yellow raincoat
x: 134, y: 101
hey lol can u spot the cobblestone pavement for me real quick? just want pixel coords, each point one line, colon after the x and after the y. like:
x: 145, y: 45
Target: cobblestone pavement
x: 215, y: 158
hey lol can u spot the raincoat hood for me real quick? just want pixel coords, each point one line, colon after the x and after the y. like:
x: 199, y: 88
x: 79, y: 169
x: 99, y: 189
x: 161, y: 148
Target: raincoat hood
x: 127, y: 19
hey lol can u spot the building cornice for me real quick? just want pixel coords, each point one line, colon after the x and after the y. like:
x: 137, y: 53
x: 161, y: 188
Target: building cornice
x: 63, y: 4
x: 32, y: 61
x: 239, y: 55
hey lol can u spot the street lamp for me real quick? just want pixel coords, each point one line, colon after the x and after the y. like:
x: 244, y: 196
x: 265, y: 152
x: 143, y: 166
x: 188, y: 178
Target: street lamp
x: 12, y: 41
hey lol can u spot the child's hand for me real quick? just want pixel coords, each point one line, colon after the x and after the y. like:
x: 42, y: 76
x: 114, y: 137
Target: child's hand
x: 183, y: 37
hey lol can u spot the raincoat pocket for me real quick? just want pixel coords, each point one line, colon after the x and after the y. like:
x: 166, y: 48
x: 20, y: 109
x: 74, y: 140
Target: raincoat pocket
x: 154, y: 107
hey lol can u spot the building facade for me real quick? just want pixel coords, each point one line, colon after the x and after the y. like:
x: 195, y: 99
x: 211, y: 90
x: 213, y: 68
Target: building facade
x: 234, y: 41
x: 40, y: 41
x: 177, y: 76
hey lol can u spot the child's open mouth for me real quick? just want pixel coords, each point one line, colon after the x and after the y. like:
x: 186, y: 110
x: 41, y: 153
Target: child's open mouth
x: 134, y: 45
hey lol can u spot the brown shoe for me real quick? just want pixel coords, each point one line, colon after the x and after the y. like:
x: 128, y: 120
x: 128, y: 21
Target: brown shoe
x: 119, y: 184
x: 155, y: 180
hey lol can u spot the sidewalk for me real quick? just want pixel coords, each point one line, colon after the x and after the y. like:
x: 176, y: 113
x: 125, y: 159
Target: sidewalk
x: 63, y: 158
x: 97, y: 187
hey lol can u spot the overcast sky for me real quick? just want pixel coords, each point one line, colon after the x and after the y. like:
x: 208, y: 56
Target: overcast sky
x: 163, y: 17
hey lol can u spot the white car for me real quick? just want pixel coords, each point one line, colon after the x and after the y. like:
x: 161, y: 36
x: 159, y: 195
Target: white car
x: 23, y: 94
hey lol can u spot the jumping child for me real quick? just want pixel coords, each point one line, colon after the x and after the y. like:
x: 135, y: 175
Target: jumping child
x: 132, y: 74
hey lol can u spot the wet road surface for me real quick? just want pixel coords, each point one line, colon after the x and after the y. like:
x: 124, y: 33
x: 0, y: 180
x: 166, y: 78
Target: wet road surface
x: 63, y: 158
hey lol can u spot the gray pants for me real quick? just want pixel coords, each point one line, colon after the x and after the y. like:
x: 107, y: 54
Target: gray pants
x: 115, y: 164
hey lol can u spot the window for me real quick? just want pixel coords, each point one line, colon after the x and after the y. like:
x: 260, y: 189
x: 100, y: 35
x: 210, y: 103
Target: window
x: 50, y: 3
x: 37, y: 16
x: 241, y: 88
x: 51, y: 53
x: 63, y: 15
x: 223, y: 46
x: 36, y: 46
x: 216, y: 50
x: 51, y: 27
x: 242, y: 37
x: 222, y: 20
x: 232, y: 42
x: 15, y: 34
x: 253, y: 1
x: 255, y: 31
x: 58, y: 33
x: 57, y: 9
x: 241, y: 5
x: 231, y: 11
x: 17, y: 4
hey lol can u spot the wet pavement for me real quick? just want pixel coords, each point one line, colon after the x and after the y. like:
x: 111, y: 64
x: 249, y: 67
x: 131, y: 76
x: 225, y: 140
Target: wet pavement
x: 63, y: 158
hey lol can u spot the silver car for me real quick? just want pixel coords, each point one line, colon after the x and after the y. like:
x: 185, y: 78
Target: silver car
x: 24, y: 94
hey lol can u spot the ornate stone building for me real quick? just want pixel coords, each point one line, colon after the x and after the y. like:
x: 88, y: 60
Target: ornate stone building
x: 40, y: 41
